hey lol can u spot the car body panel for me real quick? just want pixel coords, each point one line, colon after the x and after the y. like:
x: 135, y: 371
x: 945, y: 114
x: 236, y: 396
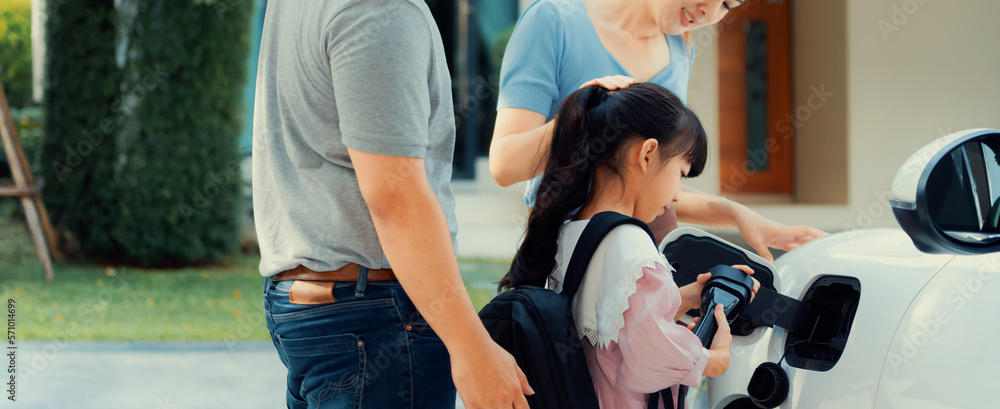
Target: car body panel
x: 892, y: 273
x: 942, y: 354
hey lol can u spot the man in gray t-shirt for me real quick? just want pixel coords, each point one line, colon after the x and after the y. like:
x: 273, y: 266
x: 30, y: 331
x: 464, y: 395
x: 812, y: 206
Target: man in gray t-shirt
x: 353, y: 140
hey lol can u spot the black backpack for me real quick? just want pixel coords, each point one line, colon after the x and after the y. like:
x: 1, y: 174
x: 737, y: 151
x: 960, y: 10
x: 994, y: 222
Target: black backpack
x: 536, y: 326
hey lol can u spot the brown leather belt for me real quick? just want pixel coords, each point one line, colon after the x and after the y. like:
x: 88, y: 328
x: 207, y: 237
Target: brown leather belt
x: 348, y: 273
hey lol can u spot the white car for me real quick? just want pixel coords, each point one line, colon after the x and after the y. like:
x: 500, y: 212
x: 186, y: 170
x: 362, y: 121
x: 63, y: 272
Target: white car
x: 875, y: 318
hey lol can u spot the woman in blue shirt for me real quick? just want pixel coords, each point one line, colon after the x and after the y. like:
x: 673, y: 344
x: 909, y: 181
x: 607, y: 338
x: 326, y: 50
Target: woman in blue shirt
x: 559, y: 45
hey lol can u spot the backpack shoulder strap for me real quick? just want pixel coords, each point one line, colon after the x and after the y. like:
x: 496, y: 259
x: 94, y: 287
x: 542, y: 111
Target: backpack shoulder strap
x: 598, y: 227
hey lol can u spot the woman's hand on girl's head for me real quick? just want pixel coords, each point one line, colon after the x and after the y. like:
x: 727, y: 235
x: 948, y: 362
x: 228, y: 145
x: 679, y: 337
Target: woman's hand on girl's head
x: 611, y: 82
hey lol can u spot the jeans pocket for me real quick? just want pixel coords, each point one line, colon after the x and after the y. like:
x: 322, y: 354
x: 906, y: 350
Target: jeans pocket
x: 433, y: 387
x: 331, y: 369
x: 281, y: 287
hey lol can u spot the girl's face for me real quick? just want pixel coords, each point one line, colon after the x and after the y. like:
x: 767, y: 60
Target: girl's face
x: 661, y: 187
x: 680, y: 16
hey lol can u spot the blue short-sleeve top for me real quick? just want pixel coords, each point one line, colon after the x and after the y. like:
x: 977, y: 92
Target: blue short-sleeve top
x: 554, y: 48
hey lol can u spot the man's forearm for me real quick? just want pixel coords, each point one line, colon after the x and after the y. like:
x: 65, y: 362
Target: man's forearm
x: 414, y: 234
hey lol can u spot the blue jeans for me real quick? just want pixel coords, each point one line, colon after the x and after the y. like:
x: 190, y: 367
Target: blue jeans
x: 368, y: 349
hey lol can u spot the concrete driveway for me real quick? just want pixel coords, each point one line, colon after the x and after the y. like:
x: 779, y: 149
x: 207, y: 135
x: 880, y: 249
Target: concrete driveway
x: 189, y: 375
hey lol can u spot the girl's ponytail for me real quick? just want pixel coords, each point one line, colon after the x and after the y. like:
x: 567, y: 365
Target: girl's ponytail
x: 564, y: 187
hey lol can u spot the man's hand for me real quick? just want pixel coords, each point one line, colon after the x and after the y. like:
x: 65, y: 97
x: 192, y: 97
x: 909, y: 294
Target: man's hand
x: 477, y: 373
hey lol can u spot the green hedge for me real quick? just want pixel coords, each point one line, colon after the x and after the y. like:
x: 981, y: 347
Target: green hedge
x: 81, y: 84
x: 161, y: 186
x: 15, y: 50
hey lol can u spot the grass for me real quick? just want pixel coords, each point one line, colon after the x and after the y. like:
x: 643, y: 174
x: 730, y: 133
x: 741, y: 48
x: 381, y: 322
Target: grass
x: 87, y: 302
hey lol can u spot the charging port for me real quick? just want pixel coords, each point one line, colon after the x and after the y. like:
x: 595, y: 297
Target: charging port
x: 819, y: 341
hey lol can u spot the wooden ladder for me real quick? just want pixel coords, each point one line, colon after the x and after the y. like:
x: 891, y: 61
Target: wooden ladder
x: 25, y: 187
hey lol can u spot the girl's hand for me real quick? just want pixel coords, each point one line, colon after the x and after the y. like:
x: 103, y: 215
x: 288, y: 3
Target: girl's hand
x: 691, y: 293
x: 721, y: 345
x: 611, y: 82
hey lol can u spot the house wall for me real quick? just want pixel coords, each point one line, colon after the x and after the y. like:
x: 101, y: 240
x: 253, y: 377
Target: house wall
x: 918, y: 69
x: 819, y: 114
x: 901, y: 72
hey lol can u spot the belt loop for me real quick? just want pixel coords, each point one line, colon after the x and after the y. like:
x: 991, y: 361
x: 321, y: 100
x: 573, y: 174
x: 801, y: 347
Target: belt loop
x: 362, y: 281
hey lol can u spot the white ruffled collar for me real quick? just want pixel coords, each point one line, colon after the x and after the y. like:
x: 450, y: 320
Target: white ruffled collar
x: 600, y: 303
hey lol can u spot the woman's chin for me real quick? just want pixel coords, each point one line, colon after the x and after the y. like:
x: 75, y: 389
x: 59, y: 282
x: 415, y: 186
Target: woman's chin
x: 675, y: 30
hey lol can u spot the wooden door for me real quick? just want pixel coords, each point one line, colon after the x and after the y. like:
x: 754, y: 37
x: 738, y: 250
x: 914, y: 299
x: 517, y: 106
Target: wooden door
x: 755, y: 99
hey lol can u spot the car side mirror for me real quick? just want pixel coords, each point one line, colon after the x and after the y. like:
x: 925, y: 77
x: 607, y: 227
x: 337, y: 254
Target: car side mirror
x: 946, y: 196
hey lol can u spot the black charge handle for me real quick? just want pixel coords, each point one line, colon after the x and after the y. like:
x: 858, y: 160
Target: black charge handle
x: 728, y: 286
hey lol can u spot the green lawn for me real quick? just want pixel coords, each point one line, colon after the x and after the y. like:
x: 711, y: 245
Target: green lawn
x: 88, y: 302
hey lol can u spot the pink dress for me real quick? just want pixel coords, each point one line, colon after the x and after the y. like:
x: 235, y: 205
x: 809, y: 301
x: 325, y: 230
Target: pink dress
x: 652, y: 351
x: 632, y: 344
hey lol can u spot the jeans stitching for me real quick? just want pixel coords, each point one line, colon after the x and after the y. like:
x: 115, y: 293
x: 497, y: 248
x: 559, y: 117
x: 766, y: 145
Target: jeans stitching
x: 297, y: 400
x: 267, y: 301
x: 331, y: 307
x: 409, y: 348
x: 409, y: 370
x: 360, y: 388
x: 310, y: 351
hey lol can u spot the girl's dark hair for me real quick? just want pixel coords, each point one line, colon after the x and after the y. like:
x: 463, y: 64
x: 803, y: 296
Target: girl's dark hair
x: 594, y: 128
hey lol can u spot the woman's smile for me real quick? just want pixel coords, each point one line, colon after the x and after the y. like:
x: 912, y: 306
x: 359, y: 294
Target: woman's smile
x: 687, y: 20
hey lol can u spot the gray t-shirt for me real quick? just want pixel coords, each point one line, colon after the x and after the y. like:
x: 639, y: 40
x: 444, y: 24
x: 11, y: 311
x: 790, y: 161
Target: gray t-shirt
x: 366, y: 74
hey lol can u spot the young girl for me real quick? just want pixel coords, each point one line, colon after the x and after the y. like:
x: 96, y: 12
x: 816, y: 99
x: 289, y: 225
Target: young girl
x: 623, y: 151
